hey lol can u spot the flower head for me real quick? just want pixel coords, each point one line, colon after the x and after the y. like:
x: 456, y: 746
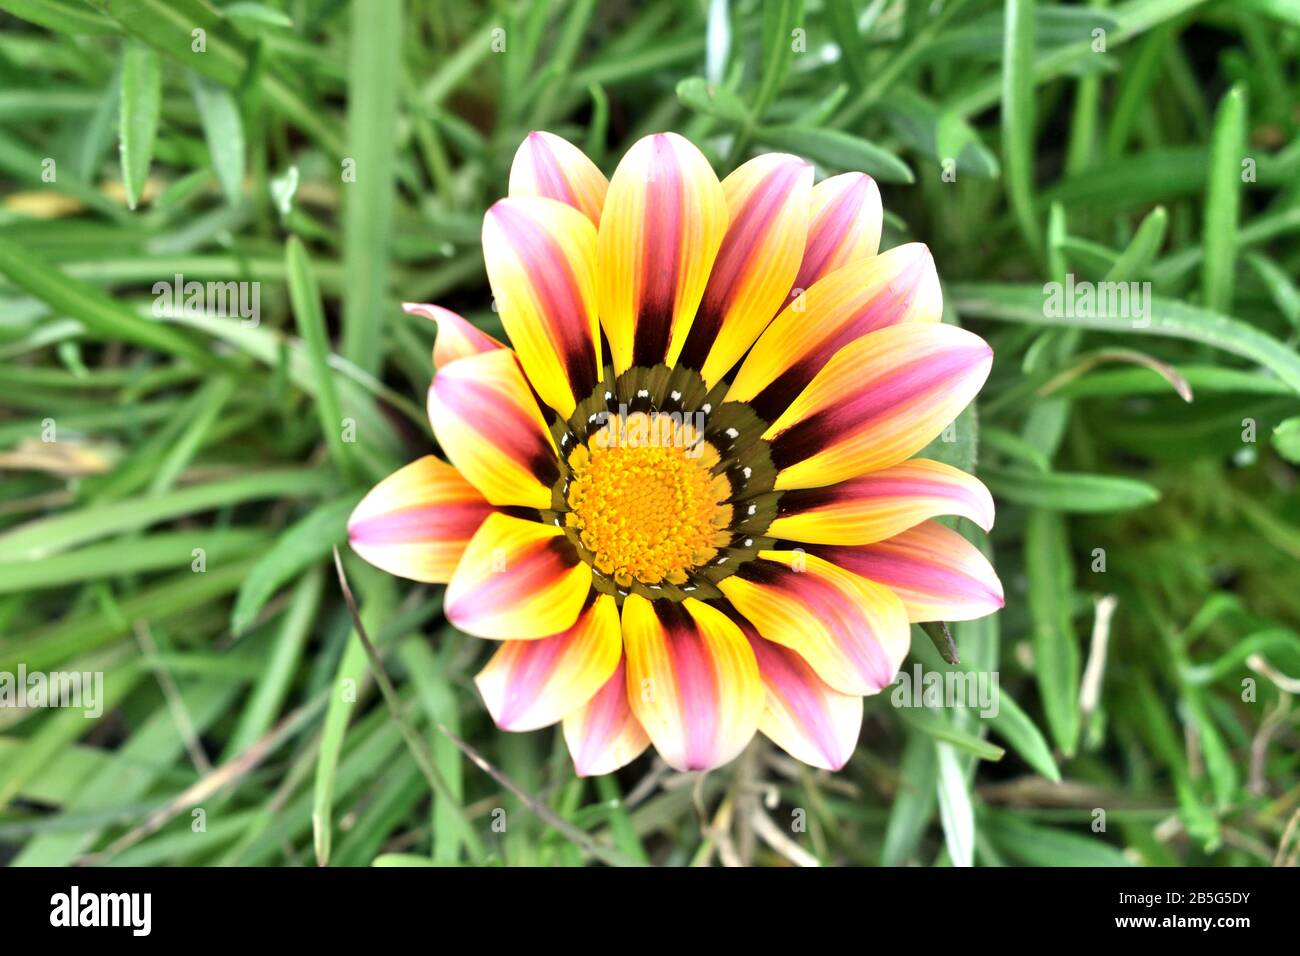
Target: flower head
x: 684, y: 499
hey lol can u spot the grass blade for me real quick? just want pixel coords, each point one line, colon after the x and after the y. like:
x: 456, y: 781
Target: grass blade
x: 1018, y: 117
x: 1056, y: 653
x: 224, y: 131
x: 141, y: 105
x: 1223, y: 201
x: 1168, y: 317
x: 368, y: 205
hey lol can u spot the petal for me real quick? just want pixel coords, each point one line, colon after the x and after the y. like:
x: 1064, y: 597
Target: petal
x: 488, y: 423
x: 898, y: 286
x: 457, y: 337
x: 879, y: 400
x: 691, y: 679
x: 541, y: 263
x: 846, y: 221
x: 803, y: 715
x: 938, y: 574
x: 604, y: 734
x: 881, y: 504
x: 768, y: 204
x: 550, y: 166
x: 416, y: 522
x: 664, y: 219
x: 518, y: 580
x: 854, y: 637
x: 532, y: 684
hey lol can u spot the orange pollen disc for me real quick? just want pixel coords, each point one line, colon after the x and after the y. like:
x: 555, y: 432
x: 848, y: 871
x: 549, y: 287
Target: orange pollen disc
x: 644, y: 502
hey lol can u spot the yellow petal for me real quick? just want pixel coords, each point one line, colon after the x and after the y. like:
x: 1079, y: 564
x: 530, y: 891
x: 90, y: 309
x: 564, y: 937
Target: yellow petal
x: 879, y: 400
x: 768, y: 204
x: 416, y: 522
x: 487, y: 421
x: 550, y: 166
x: 518, y: 580
x: 541, y: 263
x: 664, y: 218
x: 692, y: 681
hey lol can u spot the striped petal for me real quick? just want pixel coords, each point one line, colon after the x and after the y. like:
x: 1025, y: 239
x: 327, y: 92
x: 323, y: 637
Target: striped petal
x: 898, y: 286
x: 518, y: 580
x: 664, y: 219
x: 803, y: 715
x: 881, y: 504
x: 416, y: 522
x: 768, y: 204
x: 938, y: 574
x: 604, y: 734
x: 852, y: 632
x: 456, y: 338
x: 846, y: 221
x: 692, y: 681
x: 532, y: 684
x: 879, y: 400
x: 550, y: 166
x: 541, y: 263
x: 487, y: 421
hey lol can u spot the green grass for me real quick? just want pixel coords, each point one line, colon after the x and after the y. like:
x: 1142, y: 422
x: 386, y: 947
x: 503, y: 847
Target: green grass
x: 342, y: 155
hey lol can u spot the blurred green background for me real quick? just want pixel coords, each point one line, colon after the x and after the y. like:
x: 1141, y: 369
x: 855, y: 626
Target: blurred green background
x: 176, y: 534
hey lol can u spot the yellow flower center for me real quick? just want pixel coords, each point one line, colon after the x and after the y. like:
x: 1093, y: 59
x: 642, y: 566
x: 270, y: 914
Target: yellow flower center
x: 644, y: 501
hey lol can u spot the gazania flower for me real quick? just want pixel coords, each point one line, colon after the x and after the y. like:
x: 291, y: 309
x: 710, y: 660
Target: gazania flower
x: 683, y: 500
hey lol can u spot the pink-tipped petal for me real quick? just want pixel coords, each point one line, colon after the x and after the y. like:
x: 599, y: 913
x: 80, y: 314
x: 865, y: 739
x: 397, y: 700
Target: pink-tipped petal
x: 879, y: 400
x: 604, y: 734
x: 456, y: 337
x: 768, y: 203
x: 803, y: 715
x: 416, y: 522
x: 866, y: 295
x: 852, y: 632
x: 517, y: 580
x: 881, y: 504
x: 938, y: 574
x: 846, y: 221
x: 532, y: 684
x: 664, y: 218
x: 692, y: 681
x: 551, y: 167
x: 487, y: 421
x: 541, y: 263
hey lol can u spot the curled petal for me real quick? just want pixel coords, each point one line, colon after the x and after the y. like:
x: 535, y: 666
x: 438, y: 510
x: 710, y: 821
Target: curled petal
x: 518, y: 580
x: 550, y: 166
x: 416, y: 522
x: 664, y: 218
x: 603, y: 734
x: 487, y: 421
x: 898, y: 286
x: 938, y: 574
x: 456, y: 338
x: 881, y: 504
x: 803, y: 715
x: 541, y: 263
x: 691, y: 679
x: 532, y: 684
x: 852, y: 632
x: 768, y: 204
x: 877, y: 401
